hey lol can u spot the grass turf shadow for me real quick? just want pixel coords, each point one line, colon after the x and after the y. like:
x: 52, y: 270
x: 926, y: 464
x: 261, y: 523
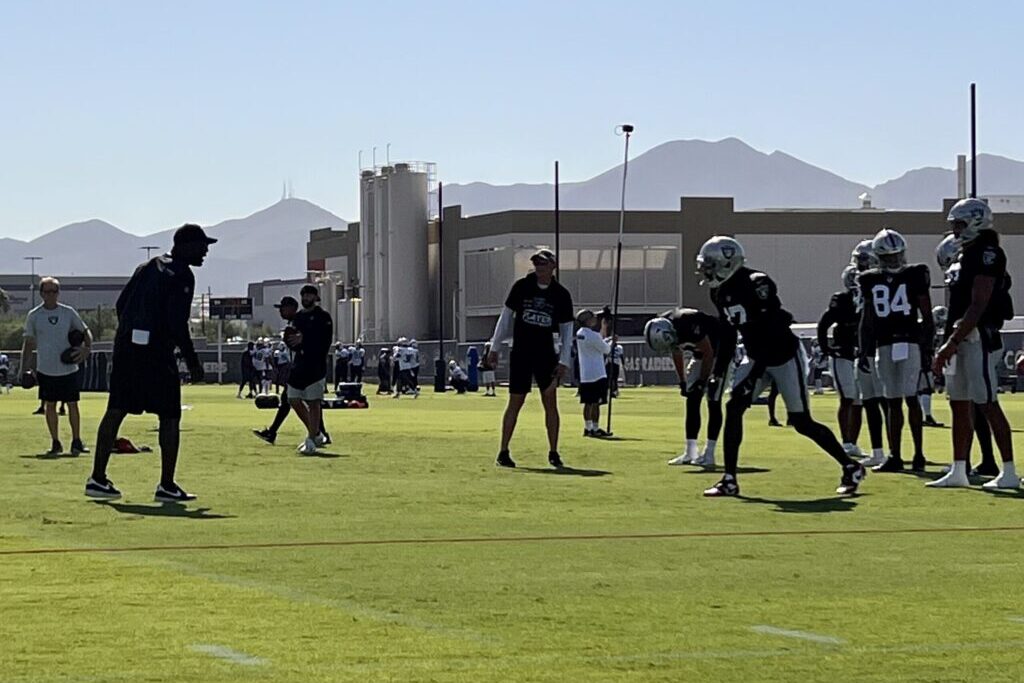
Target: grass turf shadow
x: 179, y: 510
x: 564, y: 471
x: 739, y: 470
x: 47, y: 456
x: 815, y: 506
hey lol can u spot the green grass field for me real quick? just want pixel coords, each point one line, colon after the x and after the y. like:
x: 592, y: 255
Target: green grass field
x: 413, y: 558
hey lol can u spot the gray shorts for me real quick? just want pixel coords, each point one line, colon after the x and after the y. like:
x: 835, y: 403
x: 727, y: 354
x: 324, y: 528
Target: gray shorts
x: 899, y: 378
x: 868, y: 383
x: 973, y: 373
x: 314, y: 392
x: 844, y: 376
x: 790, y: 378
x: 487, y: 377
x: 693, y: 369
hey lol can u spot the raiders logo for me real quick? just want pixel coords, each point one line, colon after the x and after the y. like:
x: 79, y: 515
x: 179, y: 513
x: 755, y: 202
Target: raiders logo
x: 763, y: 290
x: 728, y: 251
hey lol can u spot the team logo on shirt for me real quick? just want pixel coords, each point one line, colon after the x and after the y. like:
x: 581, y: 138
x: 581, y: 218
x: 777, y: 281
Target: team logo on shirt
x: 989, y: 257
x: 52, y: 319
x: 763, y: 290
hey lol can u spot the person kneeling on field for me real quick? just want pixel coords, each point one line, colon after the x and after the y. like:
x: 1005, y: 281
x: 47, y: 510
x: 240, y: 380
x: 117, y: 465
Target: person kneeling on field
x: 457, y: 377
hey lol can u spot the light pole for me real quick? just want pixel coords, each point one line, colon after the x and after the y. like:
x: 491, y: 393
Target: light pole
x: 149, y: 251
x: 32, y: 284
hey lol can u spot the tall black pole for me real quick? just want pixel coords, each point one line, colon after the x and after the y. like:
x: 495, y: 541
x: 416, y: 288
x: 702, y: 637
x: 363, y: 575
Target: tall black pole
x: 627, y: 130
x: 558, y: 255
x: 440, y: 368
x: 974, y: 145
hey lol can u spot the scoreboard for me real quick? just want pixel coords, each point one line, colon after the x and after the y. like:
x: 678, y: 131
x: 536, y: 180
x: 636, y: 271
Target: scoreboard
x: 231, y: 308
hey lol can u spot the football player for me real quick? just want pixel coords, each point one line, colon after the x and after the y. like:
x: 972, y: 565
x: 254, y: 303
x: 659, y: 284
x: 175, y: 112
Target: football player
x: 863, y: 259
x: 748, y: 303
x: 843, y: 318
x: 689, y: 330
x: 979, y: 303
x: 897, y: 330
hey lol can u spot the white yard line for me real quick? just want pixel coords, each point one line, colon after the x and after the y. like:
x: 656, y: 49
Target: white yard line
x: 229, y: 655
x: 800, y: 635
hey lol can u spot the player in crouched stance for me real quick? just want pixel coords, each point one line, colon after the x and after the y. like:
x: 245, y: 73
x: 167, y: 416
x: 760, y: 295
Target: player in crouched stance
x: 748, y: 303
x: 979, y: 303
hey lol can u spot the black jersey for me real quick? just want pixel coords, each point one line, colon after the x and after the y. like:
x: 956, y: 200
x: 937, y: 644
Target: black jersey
x: 692, y: 325
x: 891, y: 310
x: 844, y: 310
x: 748, y: 302
x: 983, y: 256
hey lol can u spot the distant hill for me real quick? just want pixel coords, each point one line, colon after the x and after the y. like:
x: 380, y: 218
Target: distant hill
x: 270, y: 243
x: 731, y: 168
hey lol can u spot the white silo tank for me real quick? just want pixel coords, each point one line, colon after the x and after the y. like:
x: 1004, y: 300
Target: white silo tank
x: 407, y: 216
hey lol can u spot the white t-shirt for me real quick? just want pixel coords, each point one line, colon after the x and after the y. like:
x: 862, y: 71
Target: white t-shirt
x: 259, y: 359
x: 358, y: 355
x: 591, y: 349
x: 405, y: 358
x: 414, y: 355
x: 459, y: 373
x: 50, y: 327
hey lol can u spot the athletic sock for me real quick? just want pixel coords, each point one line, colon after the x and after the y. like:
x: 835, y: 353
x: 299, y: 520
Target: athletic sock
x: 590, y: 426
x: 960, y: 468
x: 877, y: 452
x: 1009, y: 469
x: 926, y: 404
x: 691, y: 445
x: 709, y: 448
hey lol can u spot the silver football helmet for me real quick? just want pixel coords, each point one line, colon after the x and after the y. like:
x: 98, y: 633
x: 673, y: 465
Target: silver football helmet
x: 719, y: 259
x: 863, y: 256
x: 939, y: 315
x: 947, y: 251
x: 891, y: 250
x: 968, y: 218
x: 660, y: 335
x: 850, y: 277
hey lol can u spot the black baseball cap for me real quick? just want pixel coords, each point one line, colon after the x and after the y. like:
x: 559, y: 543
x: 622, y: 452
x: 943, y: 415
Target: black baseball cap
x: 543, y: 255
x: 310, y: 289
x: 189, y: 233
x: 287, y: 301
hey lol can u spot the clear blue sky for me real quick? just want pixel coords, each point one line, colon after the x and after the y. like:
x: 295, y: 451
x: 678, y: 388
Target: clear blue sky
x: 148, y: 114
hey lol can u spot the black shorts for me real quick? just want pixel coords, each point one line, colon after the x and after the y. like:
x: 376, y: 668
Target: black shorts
x: 594, y: 392
x: 524, y: 368
x: 63, y: 388
x: 144, y: 380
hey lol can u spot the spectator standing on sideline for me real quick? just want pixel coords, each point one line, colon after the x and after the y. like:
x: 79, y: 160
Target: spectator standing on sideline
x: 282, y: 364
x: 536, y: 307
x: 356, y: 362
x: 341, y: 360
x: 592, y: 347
x: 311, y: 342
x: 487, y: 374
x: 248, y: 372
x: 152, y: 313
x: 48, y: 331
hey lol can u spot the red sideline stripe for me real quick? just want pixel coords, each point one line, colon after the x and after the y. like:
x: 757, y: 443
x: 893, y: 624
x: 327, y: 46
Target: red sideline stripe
x: 502, y: 539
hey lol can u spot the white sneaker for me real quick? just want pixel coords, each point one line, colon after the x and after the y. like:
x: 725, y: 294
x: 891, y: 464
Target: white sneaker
x: 873, y: 460
x: 684, y: 459
x: 307, y: 447
x: 320, y: 440
x: 705, y: 460
x: 1003, y: 481
x: 951, y: 480
x: 854, y: 451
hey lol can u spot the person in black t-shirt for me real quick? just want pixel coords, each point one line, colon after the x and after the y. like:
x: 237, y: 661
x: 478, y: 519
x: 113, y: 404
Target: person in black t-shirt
x: 979, y: 303
x: 536, y: 308
x: 897, y: 331
x: 687, y: 330
x: 748, y: 303
x: 152, y: 313
x: 310, y: 340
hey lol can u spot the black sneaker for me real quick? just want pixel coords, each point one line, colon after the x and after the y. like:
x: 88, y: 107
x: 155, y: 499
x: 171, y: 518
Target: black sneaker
x: 853, y: 475
x: 39, y: 411
x: 171, y: 494
x: 601, y: 434
x: 56, y: 448
x: 891, y: 464
x: 104, y: 489
x: 62, y: 411
x: 265, y: 435
x: 918, y: 464
x: 555, y: 460
x: 77, y: 447
x: 504, y: 460
x: 930, y: 421
x: 771, y: 423
x: 986, y: 470
x: 588, y: 432
x: 726, y: 486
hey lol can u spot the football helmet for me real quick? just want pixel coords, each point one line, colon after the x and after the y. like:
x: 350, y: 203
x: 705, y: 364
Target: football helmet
x: 660, y: 335
x: 850, y: 277
x: 719, y: 259
x: 939, y: 315
x: 891, y: 250
x: 863, y: 256
x: 968, y: 218
x: 947, y: 251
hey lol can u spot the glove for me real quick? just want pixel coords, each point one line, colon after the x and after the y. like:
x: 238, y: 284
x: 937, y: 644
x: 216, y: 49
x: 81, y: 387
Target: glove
x: 864, y: 364
x: 28, y: 379
x: 195, y: 368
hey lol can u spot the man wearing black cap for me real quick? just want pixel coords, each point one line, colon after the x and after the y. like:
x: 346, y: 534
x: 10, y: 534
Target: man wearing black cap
x: 288, y: 308
x: 310, y: 340
x: 152, y: 313
x: 536, y: 308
